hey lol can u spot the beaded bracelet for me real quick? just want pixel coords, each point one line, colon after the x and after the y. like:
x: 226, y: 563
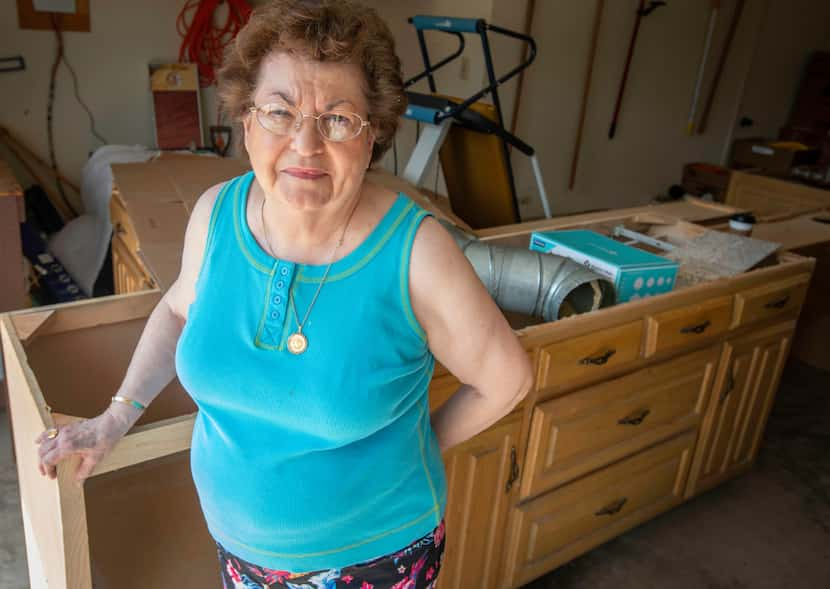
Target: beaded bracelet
x: 135, y: 404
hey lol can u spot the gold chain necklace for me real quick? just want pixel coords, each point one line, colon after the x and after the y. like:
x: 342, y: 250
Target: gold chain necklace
x: 297, y: 341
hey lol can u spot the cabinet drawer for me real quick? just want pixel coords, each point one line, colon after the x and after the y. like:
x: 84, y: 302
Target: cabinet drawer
x: 122, y: 225
x: 688, y: 325
x: 589, y: 355
x: 771, y: 301
x: 589, y: 428
x: 560, y: 525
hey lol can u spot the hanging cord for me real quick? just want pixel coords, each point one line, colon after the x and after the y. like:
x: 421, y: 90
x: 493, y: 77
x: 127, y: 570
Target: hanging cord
x: 49, y: 109
x: 203, y: 42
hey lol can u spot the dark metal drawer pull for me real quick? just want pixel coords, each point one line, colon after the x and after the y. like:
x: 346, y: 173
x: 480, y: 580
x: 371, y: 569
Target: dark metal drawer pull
x: 635, y: 418
x: 514, y: 470
x: 598, y: 360
x: 730, y: 384
x: 779, y: 303
x: 699, y: 328
x: 612, y: 508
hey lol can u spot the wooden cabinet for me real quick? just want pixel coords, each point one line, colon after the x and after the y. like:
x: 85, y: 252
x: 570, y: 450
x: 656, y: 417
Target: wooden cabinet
x: 629, y: 416
x: 558, y: 526
x: 750, y: 370
x: 582, y: 431
x: 770, y: 198
x: 127, y: 272
x: 688, y: 325
x: 589, y: 355
x: 482, y: 482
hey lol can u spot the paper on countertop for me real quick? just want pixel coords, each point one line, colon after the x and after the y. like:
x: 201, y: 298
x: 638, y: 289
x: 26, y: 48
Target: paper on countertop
x: 716, y: 254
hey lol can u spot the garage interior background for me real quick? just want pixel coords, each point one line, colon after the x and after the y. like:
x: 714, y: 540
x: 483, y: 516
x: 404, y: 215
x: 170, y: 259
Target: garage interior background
x: 770, y: 50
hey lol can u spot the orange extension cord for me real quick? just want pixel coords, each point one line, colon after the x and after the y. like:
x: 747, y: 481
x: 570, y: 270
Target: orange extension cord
x: 203, y: 42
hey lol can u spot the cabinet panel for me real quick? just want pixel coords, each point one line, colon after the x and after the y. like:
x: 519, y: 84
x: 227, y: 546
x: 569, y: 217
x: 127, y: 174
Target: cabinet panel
x: 687, y: 325
x: 580, y: 432
x: 481, y: 476
x: 590, y: 355
x: 779, y: 299
x: 770, y: 357
x: 122, y: 225
x: 564, y: 523
x: 128, y: 276
x: 745, y: 387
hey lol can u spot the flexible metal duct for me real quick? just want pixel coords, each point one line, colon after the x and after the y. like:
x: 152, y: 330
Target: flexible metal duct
x: 536, y: 284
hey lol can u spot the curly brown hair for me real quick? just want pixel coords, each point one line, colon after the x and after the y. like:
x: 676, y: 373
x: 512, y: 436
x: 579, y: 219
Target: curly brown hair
x: 340, y: 31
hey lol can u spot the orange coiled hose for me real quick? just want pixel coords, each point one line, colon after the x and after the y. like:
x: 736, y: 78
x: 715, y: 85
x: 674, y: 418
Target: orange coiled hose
x: 203, y: 41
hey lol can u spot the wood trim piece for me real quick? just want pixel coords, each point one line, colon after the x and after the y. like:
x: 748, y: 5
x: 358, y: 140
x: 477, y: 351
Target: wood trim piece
x: 92, y: 312
x: 149, y: 442
x: 27, y: 326
x: 26, y: 384
x: 707, y: 212
x: 41, y: 515
x: 29, y: 18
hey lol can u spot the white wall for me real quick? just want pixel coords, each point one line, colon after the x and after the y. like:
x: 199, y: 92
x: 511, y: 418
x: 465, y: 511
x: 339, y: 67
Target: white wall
x: 790, y: 30
x: 646, y: 157
x: 651, y: 146
x: 111, y: 63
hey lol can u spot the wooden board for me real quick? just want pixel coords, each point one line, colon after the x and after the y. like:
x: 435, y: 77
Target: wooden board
x: 13, y: 285
x: 694, y: 210
x: 29, y: 18
x: 772, y: 198
x: 796, y: 233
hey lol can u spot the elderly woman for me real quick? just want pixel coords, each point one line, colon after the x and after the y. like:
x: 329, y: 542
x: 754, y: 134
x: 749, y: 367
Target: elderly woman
x: 305, y: 323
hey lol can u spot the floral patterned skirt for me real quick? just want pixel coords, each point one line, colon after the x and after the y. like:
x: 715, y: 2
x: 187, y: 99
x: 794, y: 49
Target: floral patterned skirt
x: 413, y: 567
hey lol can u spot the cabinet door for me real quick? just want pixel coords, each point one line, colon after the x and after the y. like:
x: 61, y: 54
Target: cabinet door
x: 482, y: 479
x: 127, y: 274
x: 746, y: 384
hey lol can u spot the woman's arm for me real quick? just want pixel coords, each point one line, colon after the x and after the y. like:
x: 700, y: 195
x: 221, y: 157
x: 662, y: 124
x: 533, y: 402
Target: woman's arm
x: 153, y: 364
x: 468, y: 334
x: 151, y: 368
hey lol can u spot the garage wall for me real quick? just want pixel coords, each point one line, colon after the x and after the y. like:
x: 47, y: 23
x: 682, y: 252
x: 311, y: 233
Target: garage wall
x: 651, y: 145
x: 791, y: 29
x: 111, y: 63
x: 646, y: 157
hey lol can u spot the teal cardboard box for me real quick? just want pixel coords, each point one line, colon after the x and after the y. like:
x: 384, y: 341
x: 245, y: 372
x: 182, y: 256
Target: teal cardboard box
x: 635, y: 273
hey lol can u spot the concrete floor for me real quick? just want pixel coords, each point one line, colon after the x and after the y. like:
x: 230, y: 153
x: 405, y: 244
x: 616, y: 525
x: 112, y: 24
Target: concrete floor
x: 767, y: 529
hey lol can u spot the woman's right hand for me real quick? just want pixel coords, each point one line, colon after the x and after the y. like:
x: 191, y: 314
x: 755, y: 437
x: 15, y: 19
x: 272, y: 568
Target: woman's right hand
x: 91, y: 439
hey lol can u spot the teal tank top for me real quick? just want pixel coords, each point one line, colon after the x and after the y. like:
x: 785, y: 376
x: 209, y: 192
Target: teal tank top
x: 328, y: 458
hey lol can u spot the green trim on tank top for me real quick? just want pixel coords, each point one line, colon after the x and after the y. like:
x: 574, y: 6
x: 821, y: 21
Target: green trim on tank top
x: 342, y: 268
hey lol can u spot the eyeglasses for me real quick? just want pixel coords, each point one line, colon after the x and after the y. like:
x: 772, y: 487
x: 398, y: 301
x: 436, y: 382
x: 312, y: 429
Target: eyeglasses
x: 283, y: 119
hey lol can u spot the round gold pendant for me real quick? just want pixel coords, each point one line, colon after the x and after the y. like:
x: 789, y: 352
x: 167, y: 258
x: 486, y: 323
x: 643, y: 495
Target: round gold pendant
x: 297, y: 343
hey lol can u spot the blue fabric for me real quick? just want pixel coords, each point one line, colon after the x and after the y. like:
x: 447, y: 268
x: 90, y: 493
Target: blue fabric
x: 328, y: 458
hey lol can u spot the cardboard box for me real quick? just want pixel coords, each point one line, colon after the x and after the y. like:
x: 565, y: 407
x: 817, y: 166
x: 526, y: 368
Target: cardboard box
x: 159, y: 194
x: 771, y: 157
x: 636, y: 274
x: 701, y: 178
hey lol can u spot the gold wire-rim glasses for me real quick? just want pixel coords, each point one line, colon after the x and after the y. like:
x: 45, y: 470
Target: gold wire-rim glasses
x: 300, y: 116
